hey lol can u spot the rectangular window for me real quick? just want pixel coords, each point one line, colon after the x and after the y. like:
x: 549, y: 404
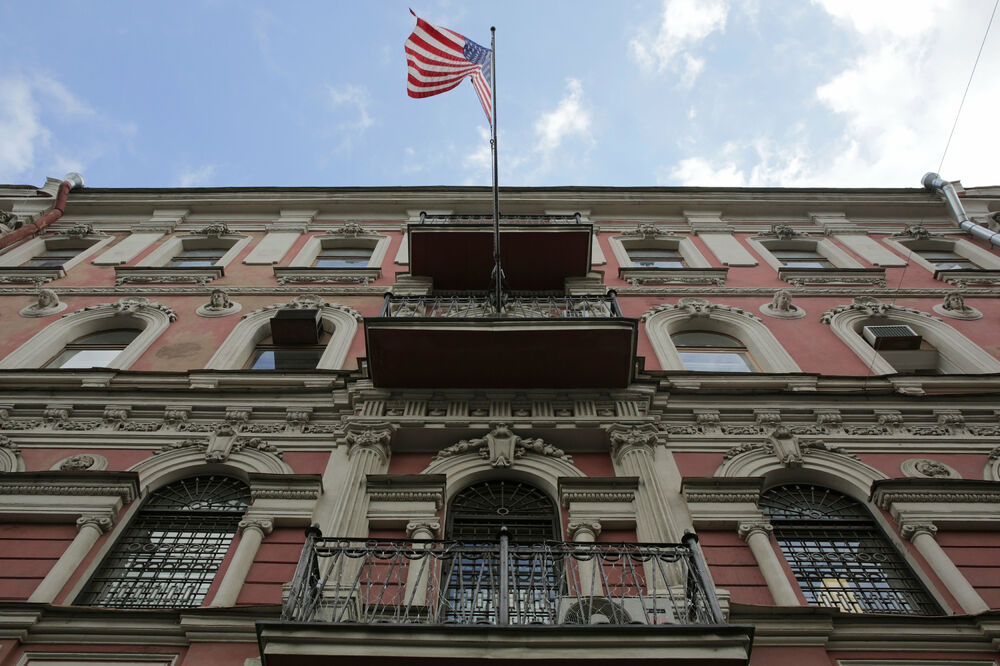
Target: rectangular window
x: 656, y: 258
x: 945, y: 260
x: 715, y: 361
x: 343, y: 257
x: 51, y: 258
x: 197, y: 258
x: 286, y: 359
x: 801, y: 259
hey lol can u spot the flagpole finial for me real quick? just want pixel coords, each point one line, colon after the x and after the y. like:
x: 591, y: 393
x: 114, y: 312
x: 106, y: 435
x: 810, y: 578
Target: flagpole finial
x: 493, y: 28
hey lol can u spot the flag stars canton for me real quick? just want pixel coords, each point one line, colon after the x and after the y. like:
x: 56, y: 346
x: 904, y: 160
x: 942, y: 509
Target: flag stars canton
x: 481, y: 56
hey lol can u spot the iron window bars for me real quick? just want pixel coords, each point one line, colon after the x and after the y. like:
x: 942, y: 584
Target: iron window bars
x: 515, y: 306
x: 169, y: 553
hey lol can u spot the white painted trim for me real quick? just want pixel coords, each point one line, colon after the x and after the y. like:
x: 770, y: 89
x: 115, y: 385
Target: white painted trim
x: 272, y: 248
x: 236, y: 349
x: 128, y: 248
x: 403, y: 253
x: 873, y: 252
x: 688, y: 251
x: 958, y: 353
x: 596, y: 253
x: 977, y: 255
x: 761, y: 344
x: 100, y: 658
x: 379, y: 245
x: 163, y: 468
x: 174, y: 245
x: 48, y: 342
x: 824, y: 468
x: 10, y: 460
x: 727, y: 248
x: 33, y: 248
x: 823, y: 246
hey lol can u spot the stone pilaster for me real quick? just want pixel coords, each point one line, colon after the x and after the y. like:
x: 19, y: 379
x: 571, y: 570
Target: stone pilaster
x: 922, y: 535
x: 252, y: 533
x: 757, y: 534
x: 90, y: 527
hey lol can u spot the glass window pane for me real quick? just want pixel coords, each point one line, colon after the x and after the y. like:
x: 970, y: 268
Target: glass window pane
x: 84, y: 358
x: 115, y: 336
x: 345, y: 252
x: 715, y: 361
x: 705, y: 339
x: 263, y: 360
x: 324, y: 262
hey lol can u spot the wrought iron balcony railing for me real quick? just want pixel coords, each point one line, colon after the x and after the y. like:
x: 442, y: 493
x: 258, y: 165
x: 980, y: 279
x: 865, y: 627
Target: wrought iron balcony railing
x: 504, y: 219
x: 482, y: 306
x: 448, y: 582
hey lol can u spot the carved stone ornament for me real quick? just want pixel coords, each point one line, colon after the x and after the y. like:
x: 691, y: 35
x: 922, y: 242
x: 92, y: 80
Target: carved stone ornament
x: 130, y: 304
x: 306, y: 302
x: 215, y: 229
x: 414, y: 528
x: 11, y: 221
x: 101, y: 523
x: 76, y: 231
x: 258, y: 444
x: 746, y: 530
x: 48, y: 303
x: 348, y: 230
x: 626, y: 439
x: 502, y: 447
x: 927, y: 468
x: 913, y: 232
x: 183, y: 444
x: 264, y: 525
x: 747, y: 447
x: 82, y: 462
x: 912, y: 530
x: 369, y: 438
x: 954, y: 306
x: 647, y: 232
x: 697, y: 307
x: 219, y: 305
x: 781, y: 231
x: 578, y: 528
x: 871, y: 306
x: 781, y: 306
x: 7, y: 443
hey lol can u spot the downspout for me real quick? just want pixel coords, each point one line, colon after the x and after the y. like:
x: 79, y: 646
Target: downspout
x: 73, y: 181
x: 932, y: 181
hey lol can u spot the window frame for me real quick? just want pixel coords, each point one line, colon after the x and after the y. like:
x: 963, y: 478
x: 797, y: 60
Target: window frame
x: 78, y: 346
x: 912, y: 248
x: 739, y: 350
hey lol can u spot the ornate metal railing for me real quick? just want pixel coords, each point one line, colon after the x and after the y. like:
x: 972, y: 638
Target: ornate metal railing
x: 504, y: 219
x: 481, y: 306
x: 448, y: 582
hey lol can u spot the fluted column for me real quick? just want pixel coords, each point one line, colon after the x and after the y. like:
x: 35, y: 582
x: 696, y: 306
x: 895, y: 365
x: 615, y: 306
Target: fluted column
x: 632, y: 451
x: 758, y: 537
x: 419, y: 570
x: 922, y: 535
x: 588, y: 569
x: 367, y: 453
x: 90, y: 528
x: 252, y: 533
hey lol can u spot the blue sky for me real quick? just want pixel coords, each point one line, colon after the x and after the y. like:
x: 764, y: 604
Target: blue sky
x: 665, y: 92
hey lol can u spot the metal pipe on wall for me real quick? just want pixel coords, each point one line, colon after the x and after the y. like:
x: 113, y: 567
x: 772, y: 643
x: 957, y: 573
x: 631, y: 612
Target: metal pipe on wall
x: 933, y: 181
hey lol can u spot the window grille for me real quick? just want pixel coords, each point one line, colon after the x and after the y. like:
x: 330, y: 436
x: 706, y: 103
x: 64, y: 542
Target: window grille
x: 169, y: 553
x: 839, y: 556
x: 479, y: 513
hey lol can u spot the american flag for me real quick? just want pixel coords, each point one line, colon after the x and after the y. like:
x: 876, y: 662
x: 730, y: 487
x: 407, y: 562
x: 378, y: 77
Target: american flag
x: 437, y: 60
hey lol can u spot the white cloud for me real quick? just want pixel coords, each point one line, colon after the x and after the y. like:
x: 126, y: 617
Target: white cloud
x: 358, y: 97
x: 197, y: 176
x: 683, y: 25
x: 569, y: 118
x: 21, y: 129
x: 894, y: 103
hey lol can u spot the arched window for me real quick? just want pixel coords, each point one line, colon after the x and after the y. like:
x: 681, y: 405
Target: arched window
x: 169, y: 553
x: 477, y: 514
x: 343, y: 257
x: 269, y: 355
x: 839, y: 555
x: 708, y: 351
x: 95, y: 350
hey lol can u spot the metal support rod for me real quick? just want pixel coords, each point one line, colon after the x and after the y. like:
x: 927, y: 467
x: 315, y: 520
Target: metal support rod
x: 503, y: 601
x: 497, y: 269
x: 615, y: 308
x: 296, y: 602
x: 385, y: 305
x: 700, y: 570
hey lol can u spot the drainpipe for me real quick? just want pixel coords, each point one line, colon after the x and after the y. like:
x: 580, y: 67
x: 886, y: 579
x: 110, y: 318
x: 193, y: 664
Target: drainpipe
x: 932, y: 181
x: 73, y: 181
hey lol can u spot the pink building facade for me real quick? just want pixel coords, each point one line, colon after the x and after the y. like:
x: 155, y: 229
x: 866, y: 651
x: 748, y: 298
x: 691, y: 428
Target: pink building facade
x: 703, y: 426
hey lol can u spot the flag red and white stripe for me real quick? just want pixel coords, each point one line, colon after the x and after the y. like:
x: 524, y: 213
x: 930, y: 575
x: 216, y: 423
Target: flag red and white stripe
x: 437, y: 60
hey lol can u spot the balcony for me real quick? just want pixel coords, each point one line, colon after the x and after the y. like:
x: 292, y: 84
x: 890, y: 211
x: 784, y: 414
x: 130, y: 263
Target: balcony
x: 463, y: 341
x: 416, y: 602
x: 538, y: 252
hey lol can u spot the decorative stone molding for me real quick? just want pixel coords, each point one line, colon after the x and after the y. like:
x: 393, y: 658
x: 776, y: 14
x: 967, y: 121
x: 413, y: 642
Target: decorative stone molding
x: 747, y: 530
x: 954, y: 306
x: 407, y: 488
x: 957, y: 352
x: 502, y: 447
x: 913, y: 232
x: 628, y: 439
x: 369, y: 436
x: 167, y: 275
x: 949, y: 503
x: 649, y: 232
x: 910, y: 530
x: 263, y: 525
x: 48, y: 303
x: 415, y: 528
x: 257, y: 443
x: 597, y: 490
x: 219, y: 305
x: 969, y: 278
x: 102, y: 522
x: 62, y: 496
x: 927, y: 468
x: 740, y: 449
x: 82, y: 462
x: 802, y: 277
x: 639, y: 276
x: 304, y: 488
x: 781, y: 306
x: 722, y: 503
x: 699, y: 314
x: 214, y: 230
x: 10, y: 456
x: 339, y: 320
x: 781, y: 231
x: 584, y: 530
x: 190, y: 455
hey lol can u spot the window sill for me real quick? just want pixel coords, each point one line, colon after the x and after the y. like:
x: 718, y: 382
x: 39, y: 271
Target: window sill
x: 312, y: 275
x: 19, y: 275
x: 803, y: 277
x: 166, y: 275
x: 969, y: 278
x: 646, y: 276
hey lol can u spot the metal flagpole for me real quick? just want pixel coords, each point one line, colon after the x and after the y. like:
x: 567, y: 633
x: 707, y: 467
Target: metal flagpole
x: 497, y: 270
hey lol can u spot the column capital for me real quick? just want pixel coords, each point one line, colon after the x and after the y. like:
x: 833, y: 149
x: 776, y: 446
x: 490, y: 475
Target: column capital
x: 264, y: 525
x: 578, y: 528
x: 626, y: 439
x: 432, y: 527
x: 911, y: 529
x: 747, y: 530
x: 102, y: 522
x: 371, y: 437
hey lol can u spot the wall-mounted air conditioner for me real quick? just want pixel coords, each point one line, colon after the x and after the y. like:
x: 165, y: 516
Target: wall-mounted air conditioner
x: 893, y: 336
